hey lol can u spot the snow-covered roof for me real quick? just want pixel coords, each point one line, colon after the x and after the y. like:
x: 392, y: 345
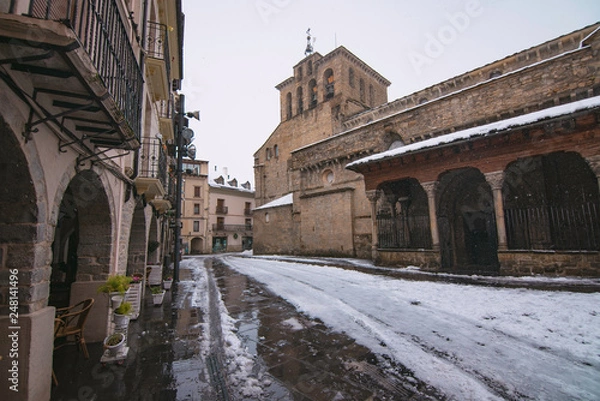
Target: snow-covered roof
x: 484, y: 130
x: 283, y: 201
x: 226, y: 185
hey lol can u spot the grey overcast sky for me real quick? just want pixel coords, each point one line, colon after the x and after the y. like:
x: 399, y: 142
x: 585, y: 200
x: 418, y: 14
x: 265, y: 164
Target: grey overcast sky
x: 236, y: 51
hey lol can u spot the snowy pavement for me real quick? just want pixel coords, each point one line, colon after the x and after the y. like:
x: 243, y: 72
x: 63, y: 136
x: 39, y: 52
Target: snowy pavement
x: 472, y: 343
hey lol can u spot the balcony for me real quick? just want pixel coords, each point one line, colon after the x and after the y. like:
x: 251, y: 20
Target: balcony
x: 152, y: 177
x: 247, y: 212
x: 165, y: 116
x: 222, y: 209
x: 158, y: 66
x: 73, y: 64
x: 236, y: 228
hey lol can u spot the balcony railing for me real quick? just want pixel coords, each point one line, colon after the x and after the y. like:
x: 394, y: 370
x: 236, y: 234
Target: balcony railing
x: 222, y: 209
x: 153, y: 161
x: 232, y: 227
x: 157, y: 45
x: 104, y: 37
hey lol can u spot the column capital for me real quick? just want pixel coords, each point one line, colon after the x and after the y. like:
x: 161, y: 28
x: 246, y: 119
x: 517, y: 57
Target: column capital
x: 594, y: 163
x: 495, y: 179
x: 430, y: 188
x: 373, y: 195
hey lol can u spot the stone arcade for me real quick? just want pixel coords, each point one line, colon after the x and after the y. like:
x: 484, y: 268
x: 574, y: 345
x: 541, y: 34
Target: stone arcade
x: 493, y: 171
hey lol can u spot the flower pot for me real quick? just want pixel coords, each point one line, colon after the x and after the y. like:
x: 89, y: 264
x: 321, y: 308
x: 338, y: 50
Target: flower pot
x: 157, y: 299
x: 120, y: 320
x: 114, y: 343
x: 116, y: 301
x: 167, y: 284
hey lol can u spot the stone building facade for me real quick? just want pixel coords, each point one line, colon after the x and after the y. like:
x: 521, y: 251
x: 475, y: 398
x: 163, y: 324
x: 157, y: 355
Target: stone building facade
x: 230, y: 215
x: 195, y: 234
x: 86, y: 103
x: 495, y: 170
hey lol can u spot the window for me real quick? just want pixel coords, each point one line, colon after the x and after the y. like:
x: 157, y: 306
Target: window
x: 248, y: 209
x: 248, y: 224
x: 299, y: 96
x: 310, y: 67
x: 267, y: 218
x: 329, y: 82
x: 361, y: 88
x: 288, y: 105
x: 276, y: 150
x: 196, y: 226
x: 196, y: 208
x: 328, y: 177
x: 220, y: 223
x: 197, y: 192
x: 312, y: 90
x: 300, y: 72
x: 268, y: 153
x: 371, y: 95
x: 221, y: 208
x: 351, y: 77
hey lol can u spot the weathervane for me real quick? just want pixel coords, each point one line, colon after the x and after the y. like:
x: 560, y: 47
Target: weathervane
x: 309, y: 43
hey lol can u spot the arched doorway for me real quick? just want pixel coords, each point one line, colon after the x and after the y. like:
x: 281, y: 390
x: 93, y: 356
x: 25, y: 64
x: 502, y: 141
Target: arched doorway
x: 552, y: 202
x: 403, y: 216
x: 82, y: 244
x: 466, y: 221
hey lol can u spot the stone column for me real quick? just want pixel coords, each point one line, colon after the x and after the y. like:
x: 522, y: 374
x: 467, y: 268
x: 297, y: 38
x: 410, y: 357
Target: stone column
x: 431, y: 189
x: 373, y: 196
x: 496, y: 180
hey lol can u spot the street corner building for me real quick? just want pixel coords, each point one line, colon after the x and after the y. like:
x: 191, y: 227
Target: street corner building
x: 87, y: 95
x: 495, y: 171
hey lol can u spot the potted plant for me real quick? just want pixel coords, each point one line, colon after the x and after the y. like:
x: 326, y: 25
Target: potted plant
x: 114, y: 343
x: 115, y: 285
x: 167, y: 282
x: 121, y: 315
x: 158, y: 295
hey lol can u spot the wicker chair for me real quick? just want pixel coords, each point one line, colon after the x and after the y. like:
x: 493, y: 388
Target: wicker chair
x: 70, y: 322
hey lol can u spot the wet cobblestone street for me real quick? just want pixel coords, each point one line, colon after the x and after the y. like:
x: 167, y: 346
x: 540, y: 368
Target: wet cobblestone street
x: 313, y: 362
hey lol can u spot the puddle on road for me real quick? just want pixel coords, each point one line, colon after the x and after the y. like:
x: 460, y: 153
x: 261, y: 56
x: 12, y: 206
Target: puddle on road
x: 311, y: 361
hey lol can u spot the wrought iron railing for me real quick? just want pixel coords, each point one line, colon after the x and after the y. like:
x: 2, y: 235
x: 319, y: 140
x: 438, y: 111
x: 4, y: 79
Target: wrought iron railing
x: 402, y: 232
x: 221, y: 209
x: 157, y: 45
x: 575, y: 228
x: 103, y: 35
x: 166, y: 107
x: 232, y: 227
x: 153, y: 161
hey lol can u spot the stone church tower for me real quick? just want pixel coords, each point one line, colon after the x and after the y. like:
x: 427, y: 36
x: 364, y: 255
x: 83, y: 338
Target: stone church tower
x: 323, y: 92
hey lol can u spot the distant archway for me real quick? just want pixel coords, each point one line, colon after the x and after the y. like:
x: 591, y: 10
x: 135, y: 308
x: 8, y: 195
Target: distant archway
x: 137, y: 251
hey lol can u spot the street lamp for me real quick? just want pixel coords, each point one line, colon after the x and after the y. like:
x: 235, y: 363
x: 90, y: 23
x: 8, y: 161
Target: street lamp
x: 184, y: 139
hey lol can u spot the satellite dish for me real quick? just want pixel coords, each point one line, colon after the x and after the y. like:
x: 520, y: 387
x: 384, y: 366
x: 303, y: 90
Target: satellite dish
x: 187, y: 135
x: 191, y: 152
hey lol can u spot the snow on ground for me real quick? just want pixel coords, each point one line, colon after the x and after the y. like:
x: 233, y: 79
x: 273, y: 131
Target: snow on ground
x: 242, y: 375
x: 470, y: 342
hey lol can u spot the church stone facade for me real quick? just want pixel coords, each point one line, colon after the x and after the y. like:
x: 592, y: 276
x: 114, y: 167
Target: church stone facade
x: 495, y: 170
